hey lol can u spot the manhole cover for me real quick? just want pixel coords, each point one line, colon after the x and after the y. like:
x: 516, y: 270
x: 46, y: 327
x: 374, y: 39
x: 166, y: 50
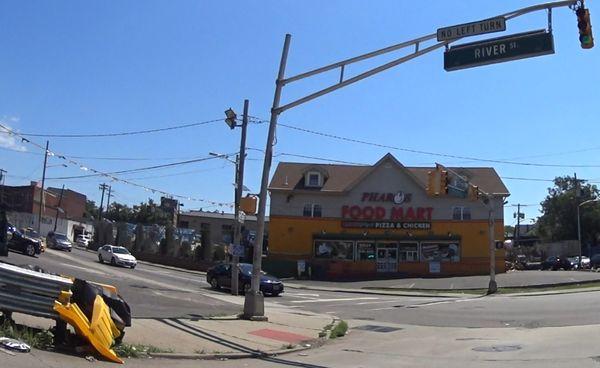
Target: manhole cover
x: 497, y: 348
x: 376, y: 328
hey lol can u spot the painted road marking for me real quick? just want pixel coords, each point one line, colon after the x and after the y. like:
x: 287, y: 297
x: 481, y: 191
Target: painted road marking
x: 280, y: 335
x: 379, y: 302
x: 333, y: 300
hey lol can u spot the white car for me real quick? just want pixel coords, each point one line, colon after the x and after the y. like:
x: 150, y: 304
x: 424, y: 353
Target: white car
x: 116, y: 256
x: 82, y: 240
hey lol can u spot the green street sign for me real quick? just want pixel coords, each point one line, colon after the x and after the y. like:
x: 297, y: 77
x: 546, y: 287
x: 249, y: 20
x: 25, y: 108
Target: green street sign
x: 499, y: 50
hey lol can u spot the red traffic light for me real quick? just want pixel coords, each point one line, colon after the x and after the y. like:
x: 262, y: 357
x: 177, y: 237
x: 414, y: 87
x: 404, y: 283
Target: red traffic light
x: 585, y: 28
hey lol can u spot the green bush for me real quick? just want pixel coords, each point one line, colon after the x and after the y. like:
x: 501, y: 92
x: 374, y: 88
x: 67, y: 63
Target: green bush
x: 339, y: 330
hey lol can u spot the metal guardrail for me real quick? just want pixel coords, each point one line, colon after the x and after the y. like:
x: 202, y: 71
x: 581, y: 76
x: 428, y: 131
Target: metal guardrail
x: 30, y: 292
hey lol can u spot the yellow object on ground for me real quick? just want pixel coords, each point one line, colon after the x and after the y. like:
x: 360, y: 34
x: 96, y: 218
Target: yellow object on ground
x: 100, y: 332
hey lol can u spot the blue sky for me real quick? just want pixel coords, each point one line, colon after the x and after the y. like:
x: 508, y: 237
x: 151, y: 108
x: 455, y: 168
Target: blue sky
x: 101, y: 67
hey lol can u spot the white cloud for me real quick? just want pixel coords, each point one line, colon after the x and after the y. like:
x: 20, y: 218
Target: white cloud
x: 8, y: 140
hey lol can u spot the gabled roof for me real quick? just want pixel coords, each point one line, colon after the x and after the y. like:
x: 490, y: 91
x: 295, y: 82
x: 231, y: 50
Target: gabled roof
x: 289, y: 176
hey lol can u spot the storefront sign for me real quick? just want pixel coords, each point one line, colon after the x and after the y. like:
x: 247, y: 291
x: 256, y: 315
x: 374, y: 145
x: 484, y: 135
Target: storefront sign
x: 381, y: 213
x: 398, y: 198
x: 387, y: 225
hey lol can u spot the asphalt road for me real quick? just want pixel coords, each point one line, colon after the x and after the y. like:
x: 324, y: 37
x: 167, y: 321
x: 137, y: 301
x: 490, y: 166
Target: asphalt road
x: 156, y: 292
x: 152, y: 292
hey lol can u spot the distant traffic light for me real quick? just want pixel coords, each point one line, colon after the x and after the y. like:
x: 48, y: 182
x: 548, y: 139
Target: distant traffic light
x: 444, y: 181
x: 473, y: 193
x: 585, y: 28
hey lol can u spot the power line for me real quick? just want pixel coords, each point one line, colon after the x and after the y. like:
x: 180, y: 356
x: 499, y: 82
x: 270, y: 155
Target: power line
x: 140, y: 169
x: 135, y: 132
x: 437, y: 154
x: 112, y: 177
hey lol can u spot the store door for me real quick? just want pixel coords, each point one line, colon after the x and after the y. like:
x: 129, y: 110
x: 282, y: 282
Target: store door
x: 387, y: 258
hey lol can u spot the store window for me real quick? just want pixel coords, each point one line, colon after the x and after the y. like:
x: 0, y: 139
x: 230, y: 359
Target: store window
x: 334, y: 249
x: 408, y: 252
x: 227, y: 234
x: 440, y: 251
x: 365, y: 251
x: 312, y: 210
x: 461, y: 213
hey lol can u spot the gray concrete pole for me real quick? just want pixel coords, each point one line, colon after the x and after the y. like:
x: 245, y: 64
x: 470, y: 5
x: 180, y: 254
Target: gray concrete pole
x: 493, y: 286
x: 254, y: 307
x: 57, y: 207
x: 579, y: 234
x: 239, y: 188
x: 39, y: 227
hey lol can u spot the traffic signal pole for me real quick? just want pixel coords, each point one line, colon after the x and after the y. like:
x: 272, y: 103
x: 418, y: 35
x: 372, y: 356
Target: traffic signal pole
x: 252, y: 306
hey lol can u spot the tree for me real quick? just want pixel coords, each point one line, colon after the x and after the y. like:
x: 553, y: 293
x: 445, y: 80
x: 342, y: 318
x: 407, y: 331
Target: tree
x: 91, y: 210
x: 119, y: 212
x: 509, y: 231
x: 559, y: 212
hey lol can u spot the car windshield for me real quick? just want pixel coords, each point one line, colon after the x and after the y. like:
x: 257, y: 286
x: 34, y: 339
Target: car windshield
x: 120, y: 250
x: 31, y: 233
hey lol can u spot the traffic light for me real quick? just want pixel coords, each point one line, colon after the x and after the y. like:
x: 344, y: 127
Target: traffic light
x: 444, y: 181
x: 585, y: 28
x: 473, y: 192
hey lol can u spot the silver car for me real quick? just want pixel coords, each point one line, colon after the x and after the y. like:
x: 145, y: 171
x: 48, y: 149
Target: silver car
x: 58, y: 241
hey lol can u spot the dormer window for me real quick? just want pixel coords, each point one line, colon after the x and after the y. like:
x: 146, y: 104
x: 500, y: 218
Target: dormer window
x: 313, y: 179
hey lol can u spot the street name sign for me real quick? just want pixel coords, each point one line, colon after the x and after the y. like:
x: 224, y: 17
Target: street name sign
x: 471, y: 29
x: 498, y: 50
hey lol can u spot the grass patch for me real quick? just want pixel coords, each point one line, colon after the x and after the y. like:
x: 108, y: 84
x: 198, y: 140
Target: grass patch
x: 326, y: 329
x: 35, y: 338
x: 430, y: 291
x: 137, y: 350
x: 339, y: 330
x: 516, y: 290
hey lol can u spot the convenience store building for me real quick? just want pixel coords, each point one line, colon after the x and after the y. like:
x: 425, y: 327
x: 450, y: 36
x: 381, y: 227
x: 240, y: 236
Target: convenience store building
x: 385, y: 220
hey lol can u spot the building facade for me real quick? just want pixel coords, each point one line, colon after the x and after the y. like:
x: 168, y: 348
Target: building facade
x: 23, y: 205
x: 384, y: 220
x: 216, y: 228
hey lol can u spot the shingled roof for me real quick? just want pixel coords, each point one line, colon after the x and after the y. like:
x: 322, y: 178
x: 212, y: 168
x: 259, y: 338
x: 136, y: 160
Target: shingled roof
x: 289, y: 176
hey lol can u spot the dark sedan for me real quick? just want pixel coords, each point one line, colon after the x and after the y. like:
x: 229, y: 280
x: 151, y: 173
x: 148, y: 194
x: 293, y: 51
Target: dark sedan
x: 556, y: 263
x: 24, y: 244
x: 219, y: 276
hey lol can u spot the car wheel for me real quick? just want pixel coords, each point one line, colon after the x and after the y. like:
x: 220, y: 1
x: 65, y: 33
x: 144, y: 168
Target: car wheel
x: 100, y: 258
x: 113, y: 262
x: 132, y: 267
x: 214, y: 283
x: 275, y: 294
x: 246, y: 288
x: 30, y: 250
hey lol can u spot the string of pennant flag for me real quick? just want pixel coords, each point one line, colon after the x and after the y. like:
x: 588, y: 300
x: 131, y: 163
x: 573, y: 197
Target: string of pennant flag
x: 112, y: 177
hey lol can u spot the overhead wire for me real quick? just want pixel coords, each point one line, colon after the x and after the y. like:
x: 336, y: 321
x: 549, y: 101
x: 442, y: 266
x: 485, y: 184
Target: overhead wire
x: 118, y: 134
x: 111, y: 176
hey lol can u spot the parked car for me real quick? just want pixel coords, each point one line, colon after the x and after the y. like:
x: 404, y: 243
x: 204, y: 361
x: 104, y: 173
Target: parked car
x: 585, y: 262
x: 82, y: 240
x: 58, y: 241
x: 556, y: 263
x: 219, y: 276
x: 24, y: 244
x: 34, y: 235
x: 595, y: 261
x: 116, y: 256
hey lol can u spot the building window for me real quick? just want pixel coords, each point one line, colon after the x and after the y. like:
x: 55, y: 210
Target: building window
x: 440, y: 251
x: 312, y: 210
x: 227, y: 234
x: 313, y: 179
x: 334, y: 249
x: 408, y: 252
x: 365, y: 251
x: 461, y: 213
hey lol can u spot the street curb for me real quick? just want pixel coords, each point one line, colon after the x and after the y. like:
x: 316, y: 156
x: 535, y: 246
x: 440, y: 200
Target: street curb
x: 557, y: 292
x: 376, y: 292
x: 201, y: 273
x: 241, y: 355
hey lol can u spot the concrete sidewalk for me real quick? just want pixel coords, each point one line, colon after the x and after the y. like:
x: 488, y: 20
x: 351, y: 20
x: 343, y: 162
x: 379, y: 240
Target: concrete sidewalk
x: 223, y: 337
x: 451, y: 285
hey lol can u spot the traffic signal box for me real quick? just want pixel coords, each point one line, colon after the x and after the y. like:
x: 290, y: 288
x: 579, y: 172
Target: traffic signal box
x: 585, y: 28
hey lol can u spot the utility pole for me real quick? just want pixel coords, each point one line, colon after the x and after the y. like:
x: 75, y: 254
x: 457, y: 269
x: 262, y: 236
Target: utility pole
x: 39, y: 227
x: 57, y: 207
x: 517, y: 233
x: 493, y: 286
x: 103, y: 187
x: 2, y: 176
x: 577, y: 204
x: 239, y: 188
x: 108, y: 201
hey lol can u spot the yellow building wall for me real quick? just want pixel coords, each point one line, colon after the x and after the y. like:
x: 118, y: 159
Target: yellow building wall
x: 292, y: 238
